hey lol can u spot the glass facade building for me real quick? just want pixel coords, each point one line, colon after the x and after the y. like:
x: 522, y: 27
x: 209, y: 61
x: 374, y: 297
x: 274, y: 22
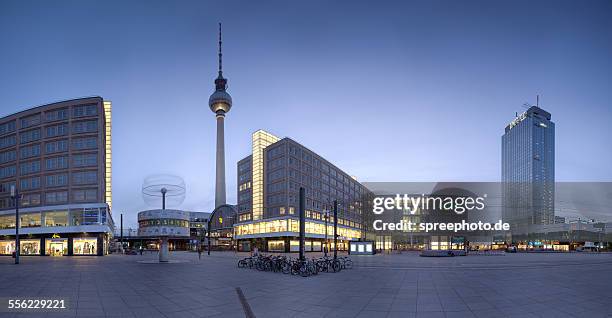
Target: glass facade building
x: 59, y: 158
x: 268, y: 187
x: 528, y: 170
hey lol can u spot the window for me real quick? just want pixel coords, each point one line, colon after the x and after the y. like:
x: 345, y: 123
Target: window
x: 56, y: 163
x: 85, y: 143
x: 29, y: 136
x: 7, y: 127
x: 85, y: 110
x: 30, y: 183
x: 29, y: 151
x: 56, y: 146
x: 7, y: 156
x: 55, y: 198
x: 85, y: 160
x: 85, y: 177
x: 8, y: 141
x: 29, y: 167
x: 57, y: 130
x: 85, y: 246
x: 30, y: 121
x: 30, y: 200
x: 85, y: 126
x: 85, y: 195
x: 57, y: 180
x: 5, y: 187
x: 58, y: 114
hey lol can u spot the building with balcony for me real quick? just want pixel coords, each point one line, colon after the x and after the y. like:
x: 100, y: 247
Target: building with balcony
x: 268, y: 185
x: 58, y: 156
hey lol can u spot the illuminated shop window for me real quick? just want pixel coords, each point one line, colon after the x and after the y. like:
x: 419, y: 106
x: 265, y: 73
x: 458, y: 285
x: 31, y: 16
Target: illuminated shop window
x: 85, y: 246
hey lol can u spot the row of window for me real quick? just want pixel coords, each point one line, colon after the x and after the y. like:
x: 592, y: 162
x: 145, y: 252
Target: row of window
x: 50, y: 147
x: 52, y: 115
x: 73, y: 217
x: 163, y: 222
x: 82, y: 177
x: 57, y: 197
x: 244, y: 186
x: 52, y: 131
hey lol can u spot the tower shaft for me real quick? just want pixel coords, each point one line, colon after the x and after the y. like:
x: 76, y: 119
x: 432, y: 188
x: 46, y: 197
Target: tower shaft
x: 220, y: 173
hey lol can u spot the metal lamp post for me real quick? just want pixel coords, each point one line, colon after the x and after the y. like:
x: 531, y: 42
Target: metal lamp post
x: 335, y: 229
x: 163, y: 249
x: 326, y: 245
x: 15, y: 195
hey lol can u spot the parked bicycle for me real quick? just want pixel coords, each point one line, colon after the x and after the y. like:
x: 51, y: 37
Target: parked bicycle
x: 295, y: 266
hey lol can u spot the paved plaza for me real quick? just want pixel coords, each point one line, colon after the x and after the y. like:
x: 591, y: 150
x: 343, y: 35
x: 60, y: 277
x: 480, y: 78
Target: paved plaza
x: 396, y: 285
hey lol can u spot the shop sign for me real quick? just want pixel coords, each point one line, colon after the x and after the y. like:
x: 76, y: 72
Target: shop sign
x: 55, y: 236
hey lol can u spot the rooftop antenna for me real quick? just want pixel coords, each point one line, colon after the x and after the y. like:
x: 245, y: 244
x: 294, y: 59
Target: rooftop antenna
x: 538, y: 100
x: 220, y: 54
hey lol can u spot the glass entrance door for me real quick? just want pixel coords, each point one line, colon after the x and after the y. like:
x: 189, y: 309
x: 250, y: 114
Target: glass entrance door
x: 56, y: 249
x: 56, y: 246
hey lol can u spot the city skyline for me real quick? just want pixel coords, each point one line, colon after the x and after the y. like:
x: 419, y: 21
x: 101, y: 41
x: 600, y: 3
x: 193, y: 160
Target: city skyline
x: 165, y: 63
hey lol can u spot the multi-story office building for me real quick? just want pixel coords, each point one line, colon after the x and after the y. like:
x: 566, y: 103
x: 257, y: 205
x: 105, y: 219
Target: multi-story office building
x: 59, y: 158
x: 268, y: 194
x: 528, y: 170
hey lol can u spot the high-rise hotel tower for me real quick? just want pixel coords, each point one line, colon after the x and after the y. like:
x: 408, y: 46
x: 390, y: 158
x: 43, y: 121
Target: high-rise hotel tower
x: 528, y: 170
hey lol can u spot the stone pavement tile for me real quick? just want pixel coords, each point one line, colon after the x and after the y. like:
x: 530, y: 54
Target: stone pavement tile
x: 372, y: 314
x: 90, y: 313
x: 456, y: 305
x: 430, y: 314
x: 378, y: 307
x: 228, y: 314
x: 479, y: 305
x: 120, y: 315
x: 63, y: 313
x: 460, y: 314
x: 317, y: 310
x: 406, y: 296
x: 146, y: 313
x: 382, y: 299
x: 342, y: 313
x: 553, y: 313
x: 401, y: 314
x: 89, y: 305
x: 487, y: 313
x: 305, y: 315
x: 526, y: 315
x: 211, y: 311
x: 404, y: 306
x: 597, y: 314
x: 428, y: 304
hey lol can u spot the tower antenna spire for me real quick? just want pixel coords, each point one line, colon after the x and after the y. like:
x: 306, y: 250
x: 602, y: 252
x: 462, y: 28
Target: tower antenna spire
x: 220, y: 54
x: 538, y: 100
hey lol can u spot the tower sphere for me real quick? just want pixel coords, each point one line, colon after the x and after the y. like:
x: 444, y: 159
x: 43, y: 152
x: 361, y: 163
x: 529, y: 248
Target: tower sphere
x: 220, y: 102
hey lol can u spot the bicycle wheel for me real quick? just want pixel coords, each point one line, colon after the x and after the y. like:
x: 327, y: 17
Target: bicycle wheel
x: 348, y: 264
x: 336, y: 266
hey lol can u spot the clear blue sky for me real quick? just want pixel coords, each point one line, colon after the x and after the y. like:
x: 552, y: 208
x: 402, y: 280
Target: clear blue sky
x: 393, y: 91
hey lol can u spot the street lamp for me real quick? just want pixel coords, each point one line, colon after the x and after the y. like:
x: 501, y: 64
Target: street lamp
x: 15, y: 196
x: 326, y: 245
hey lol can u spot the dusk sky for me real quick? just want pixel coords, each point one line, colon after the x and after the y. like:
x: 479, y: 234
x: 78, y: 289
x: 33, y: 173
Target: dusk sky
x: 387, y: 91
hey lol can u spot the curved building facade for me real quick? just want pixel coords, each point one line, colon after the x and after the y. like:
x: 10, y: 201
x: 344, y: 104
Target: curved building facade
x: 156, y: 223
x: 59, y: 158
